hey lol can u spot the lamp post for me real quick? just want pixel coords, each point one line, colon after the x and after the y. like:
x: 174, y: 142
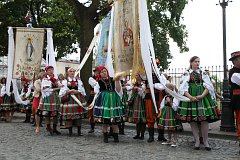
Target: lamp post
x: 227, y: 119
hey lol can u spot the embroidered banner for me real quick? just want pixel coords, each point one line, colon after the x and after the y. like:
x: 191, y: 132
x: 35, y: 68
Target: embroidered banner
x: 28, y: 52
x: 124, y: 35
x: 103, y: 44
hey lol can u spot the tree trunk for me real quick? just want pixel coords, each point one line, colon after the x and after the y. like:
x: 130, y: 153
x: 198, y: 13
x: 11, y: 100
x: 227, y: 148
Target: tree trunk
x: 85, y: 16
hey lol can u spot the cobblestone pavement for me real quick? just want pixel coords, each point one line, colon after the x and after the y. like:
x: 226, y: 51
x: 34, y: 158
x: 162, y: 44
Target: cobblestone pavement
x: 19, y: 142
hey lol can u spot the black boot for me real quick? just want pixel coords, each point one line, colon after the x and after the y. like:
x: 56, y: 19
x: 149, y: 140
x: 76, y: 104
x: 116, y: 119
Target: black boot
x: 105, y: 137
x: 138, y: 131
x: 49, y: 129
x: 79, y: 131
x: 120, y: 128
x: 115, y: 136
x: 33, y: 121
x: 161, y: 135
x: 143, y: 128
x: 92, y: 128
x: 123, y: 125
x: 70, y: 131
x: 61, y: 121
x: 26, y: 118
x: 41, y: 120
x: 110, y: 134
x: 151, y: 135
x: 55, y: 129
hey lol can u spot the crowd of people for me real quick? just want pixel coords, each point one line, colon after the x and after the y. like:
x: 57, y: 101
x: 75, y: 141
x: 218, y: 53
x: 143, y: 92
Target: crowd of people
x: 112, y: 102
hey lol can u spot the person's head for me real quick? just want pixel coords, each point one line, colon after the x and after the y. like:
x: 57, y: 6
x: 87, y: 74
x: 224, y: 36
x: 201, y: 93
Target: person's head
x: 103, y: 72
x: 71, y: 72
x: 169, y: 78
x: 95, y: 72
x: 235, y: 58
x: 49, y: 70
x: 207, y: 72
x: 194, y: 62
x: 24, y: 81
x: 61, y: 76
x: 3, y: 80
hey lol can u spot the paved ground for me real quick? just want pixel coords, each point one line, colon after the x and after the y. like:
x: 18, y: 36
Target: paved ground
x: 19, y: 142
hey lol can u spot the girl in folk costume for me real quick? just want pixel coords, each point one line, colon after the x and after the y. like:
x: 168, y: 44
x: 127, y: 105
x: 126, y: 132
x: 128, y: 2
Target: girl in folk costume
x: 50, y: 102
x: 70, y: 109
x: 8, y: 101
x: 26, y: 94
x: 93, y: 81
x: 36, y: 100
x: 108, y: 108
x: 167, y: 117
x: 196, y: 85
x: 136, y: 107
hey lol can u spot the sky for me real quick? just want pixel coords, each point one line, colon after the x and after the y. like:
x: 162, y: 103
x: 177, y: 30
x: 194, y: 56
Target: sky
x: 203, y: 19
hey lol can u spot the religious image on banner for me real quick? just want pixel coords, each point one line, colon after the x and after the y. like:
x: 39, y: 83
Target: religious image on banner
x: 28, y: 52
x: 103, y: 44
x: 124, y: 33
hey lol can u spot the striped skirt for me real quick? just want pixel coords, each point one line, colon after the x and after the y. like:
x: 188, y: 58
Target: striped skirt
x: 108, y: 108
x: 49, y: 106
x: 168, y: 119
x: 71, y: 110
x: 8, y: 103
x: 203, y: 110
x: 136, y: 110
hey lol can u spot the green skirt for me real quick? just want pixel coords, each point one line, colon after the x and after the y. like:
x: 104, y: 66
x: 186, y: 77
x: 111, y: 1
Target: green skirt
x: 108, y: 108
x: 168, y: 119
x: 203, y: 110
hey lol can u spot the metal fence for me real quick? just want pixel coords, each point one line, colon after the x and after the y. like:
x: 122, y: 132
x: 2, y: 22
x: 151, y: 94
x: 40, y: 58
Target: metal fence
x: 216, y: 75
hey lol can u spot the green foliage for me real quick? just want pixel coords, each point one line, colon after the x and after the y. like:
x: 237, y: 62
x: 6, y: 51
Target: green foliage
x: 56, y: 14
x: 165, y: 20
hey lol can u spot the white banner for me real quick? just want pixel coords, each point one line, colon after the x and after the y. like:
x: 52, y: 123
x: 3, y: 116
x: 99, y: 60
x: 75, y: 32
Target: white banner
x: 28, y: 52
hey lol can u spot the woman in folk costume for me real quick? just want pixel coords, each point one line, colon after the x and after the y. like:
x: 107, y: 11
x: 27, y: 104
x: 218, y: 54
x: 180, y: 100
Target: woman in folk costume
x: 201, y: 109
x: 71, y: 110
x: 8, y: 101
x: 136, y: 112
x: 36, y: 100
x: 26, y: 94
x: 167, y: 117
x: 108, y: 108
x: 93, y: 81
x: 50, y: 102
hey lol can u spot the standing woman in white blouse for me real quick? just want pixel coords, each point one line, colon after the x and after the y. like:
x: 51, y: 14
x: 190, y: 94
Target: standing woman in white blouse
x: 71, y: 110
x: 196, y: 85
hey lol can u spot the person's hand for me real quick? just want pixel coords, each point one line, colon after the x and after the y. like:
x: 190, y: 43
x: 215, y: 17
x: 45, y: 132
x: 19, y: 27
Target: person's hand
x: 193, y: 99
x: 199, y: 97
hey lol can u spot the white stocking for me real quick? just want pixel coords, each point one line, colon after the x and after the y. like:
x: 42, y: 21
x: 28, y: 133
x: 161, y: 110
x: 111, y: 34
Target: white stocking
x: 195, y: 132
x: 204, y: 130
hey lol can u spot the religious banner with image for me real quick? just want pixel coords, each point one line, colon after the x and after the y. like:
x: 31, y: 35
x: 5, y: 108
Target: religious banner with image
x: 103, y: 44
x: 28, y: 52
x: 124, y: 35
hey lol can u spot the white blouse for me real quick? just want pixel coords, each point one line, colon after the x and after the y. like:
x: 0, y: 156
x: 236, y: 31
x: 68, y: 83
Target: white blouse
x: 64, y: 88
x: 236, y: 78
x: 206, y: 82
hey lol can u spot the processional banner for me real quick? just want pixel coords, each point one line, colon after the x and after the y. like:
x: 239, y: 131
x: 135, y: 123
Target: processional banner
x: 28, y: 52
x: 124, y: 34
x: 103, y: 44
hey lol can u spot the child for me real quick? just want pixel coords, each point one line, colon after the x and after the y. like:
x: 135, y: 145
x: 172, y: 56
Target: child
x: 167, y: 117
